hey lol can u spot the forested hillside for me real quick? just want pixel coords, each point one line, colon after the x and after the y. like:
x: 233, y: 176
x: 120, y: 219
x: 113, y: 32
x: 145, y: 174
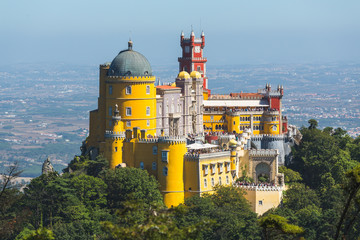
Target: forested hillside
x: 90, y: 201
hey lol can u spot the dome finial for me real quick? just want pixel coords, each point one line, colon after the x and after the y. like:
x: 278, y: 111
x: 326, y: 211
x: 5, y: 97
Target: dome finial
x: 130, y: 44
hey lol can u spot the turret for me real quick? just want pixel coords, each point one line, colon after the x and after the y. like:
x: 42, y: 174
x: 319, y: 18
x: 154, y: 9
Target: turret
x: 233, y: 164
x: 181, y: 37
x: 192, y: 36
x: 202, y: 39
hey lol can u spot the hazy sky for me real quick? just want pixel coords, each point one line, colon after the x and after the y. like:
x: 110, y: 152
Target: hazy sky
x: 237, y: 32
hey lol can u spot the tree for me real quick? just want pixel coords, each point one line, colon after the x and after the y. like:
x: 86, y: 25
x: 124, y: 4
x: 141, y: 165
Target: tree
x: 39, y: 234
x: 317, y: 155
x: 11, y: 216
x: 130, y: 184
x: 312, y: 124
x: 231, y: 212
x: 156, y: 222
x: 274, y: 226
x: 91, y: 191
x: 300, y: 196
x: 352, y: 187
x: 290, y: 175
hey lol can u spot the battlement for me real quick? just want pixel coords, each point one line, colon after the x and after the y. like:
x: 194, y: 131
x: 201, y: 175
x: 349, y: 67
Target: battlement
x: 111, y: 134
x: 236, y: 97
x: 198, y: 156
x: 148, y: 140
x: 132, y: 78
x: 260, y: 188
x: 172, y: 139
x: 263, y: 152
x: 268, y: 137
x: 193, y: 59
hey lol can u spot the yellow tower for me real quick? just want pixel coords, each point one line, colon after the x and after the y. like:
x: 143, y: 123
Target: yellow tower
x: 130, y: 84
x: 114, y: 140
x: 171, y: 169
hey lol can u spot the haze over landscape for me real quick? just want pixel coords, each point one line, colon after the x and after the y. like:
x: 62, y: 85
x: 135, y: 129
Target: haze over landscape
x: 50, y: 53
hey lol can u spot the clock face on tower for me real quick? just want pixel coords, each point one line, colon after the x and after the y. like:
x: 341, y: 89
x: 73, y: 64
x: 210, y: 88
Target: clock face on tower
x: 197, y: 49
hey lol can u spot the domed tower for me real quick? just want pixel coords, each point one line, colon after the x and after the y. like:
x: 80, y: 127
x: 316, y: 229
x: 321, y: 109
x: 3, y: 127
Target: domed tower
x: 128, y: 83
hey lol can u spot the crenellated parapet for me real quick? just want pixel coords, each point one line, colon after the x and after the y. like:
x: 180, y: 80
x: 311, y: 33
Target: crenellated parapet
x: 172, y: 139
x: 148, y: 140
x: 263, y: 152
x: 260, y: 188
x: 268, y: 137
x: 111, y: 134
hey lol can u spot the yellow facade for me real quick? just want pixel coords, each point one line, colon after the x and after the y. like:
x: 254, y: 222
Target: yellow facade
x: 236, y: 122
x: 123, y: 129
x: 136, y: 97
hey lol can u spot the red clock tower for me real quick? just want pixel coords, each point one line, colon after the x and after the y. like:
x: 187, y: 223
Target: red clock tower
x: 192, y: 56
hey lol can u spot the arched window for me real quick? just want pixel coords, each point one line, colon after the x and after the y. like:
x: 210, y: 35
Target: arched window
x: 220, y: 181
x: 155, y: 150
x: 147, y: 111
x: 110, y: 90
x: 128, y: 90
x: 212, y: 182
x: 165, y: 171
x: 205, y: 183
x: 147, y: 89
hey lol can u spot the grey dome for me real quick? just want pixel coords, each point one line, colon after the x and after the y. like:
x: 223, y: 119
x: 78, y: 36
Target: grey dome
x: 130, y: 63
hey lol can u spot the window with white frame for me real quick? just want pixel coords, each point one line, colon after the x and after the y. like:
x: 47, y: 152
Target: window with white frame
x: 110, y: 90
x: 155, y: 150
x: 110, y: 111
x: 221, y: 167
x: 260, y: 202
x: 227, y: 167
x: 211, y: 117
x: 213, y: 167
x: 142, y: 165
x: 153, y: 165
x: 164, y: 156
x: 147, y: 111
x: 128, y: 90
x: 147, y: 89
x: 212, y: 182
x: 165, y: 171
x: 128, y: 123
x: 205, y: 167
x: 148, y: 123
x: 220, y: 181
x: 227, y: 180
x: 128, y: 111
x: 205, y: 183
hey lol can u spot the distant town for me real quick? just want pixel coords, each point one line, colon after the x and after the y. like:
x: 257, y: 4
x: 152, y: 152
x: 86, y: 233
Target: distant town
x: 44, y: 108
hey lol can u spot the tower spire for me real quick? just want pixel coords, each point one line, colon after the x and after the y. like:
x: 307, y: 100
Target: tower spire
x: 130, y: 44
